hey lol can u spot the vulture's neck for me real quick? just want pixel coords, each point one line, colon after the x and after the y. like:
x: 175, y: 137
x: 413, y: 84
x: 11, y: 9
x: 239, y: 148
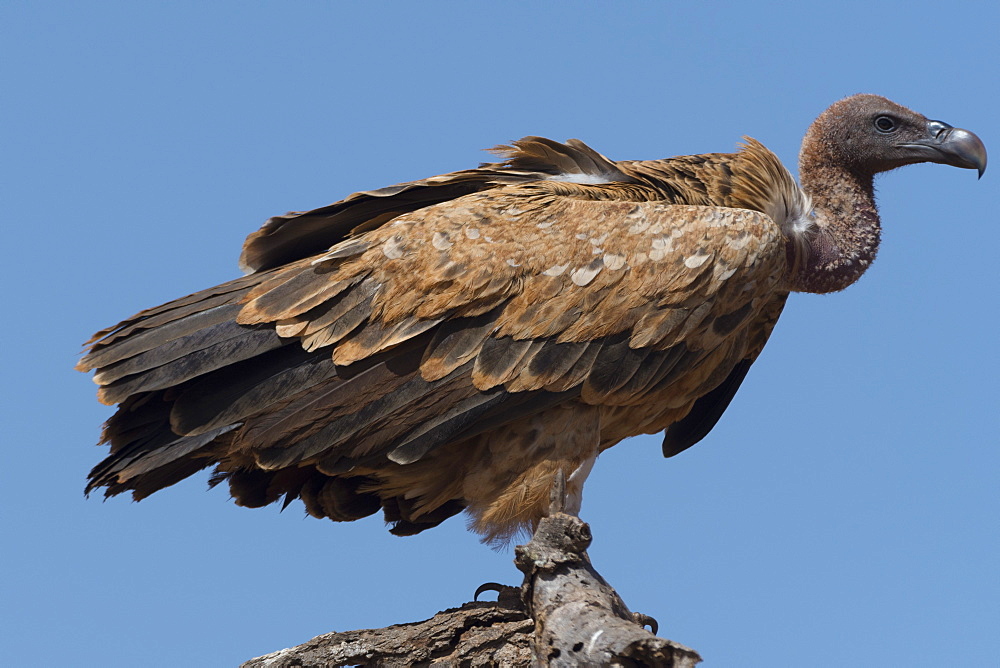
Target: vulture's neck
x: 845, y: 238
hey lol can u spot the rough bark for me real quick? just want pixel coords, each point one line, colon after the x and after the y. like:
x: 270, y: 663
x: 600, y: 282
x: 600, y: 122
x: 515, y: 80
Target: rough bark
x: 564, y: 614
x: 579, y: 618
x: 481, y: 633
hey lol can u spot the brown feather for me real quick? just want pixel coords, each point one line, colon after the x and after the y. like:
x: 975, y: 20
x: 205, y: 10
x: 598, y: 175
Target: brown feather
x: 455, y: 342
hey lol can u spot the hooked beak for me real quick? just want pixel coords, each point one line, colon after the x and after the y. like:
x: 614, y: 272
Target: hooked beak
x: 951, y: 146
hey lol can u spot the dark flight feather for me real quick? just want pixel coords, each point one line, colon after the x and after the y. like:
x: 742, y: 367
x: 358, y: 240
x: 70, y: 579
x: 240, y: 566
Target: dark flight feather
x: 247, y: 388
x: 249, y: 343
x: 706, y: 413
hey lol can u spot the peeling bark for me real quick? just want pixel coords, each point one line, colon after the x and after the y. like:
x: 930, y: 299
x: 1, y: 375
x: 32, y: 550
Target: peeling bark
x: 564, y: 614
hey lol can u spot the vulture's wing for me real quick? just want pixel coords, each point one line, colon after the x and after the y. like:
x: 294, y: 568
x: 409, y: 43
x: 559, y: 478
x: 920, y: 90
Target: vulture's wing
x: 444, y: 323
x: 708, y: 409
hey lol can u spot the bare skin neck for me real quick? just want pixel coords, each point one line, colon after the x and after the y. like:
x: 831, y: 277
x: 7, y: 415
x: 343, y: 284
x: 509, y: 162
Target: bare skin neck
x: 847, y: 230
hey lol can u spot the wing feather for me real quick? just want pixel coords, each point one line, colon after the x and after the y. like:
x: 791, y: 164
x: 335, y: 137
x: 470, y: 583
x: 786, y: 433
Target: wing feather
x: 302, y: 292
x: 341, y: 317
x: 558, y: 315
x: 248, y: 343
x: 552, y: 362
x: 173, y: 349
x: 150, y: 339
x: 455, y: 318
x: 142, y: 332
x: 377, y: 337
x: 248, y: 388
x: 304, y: 414
x: 455, y: 342
x: 499, y: 360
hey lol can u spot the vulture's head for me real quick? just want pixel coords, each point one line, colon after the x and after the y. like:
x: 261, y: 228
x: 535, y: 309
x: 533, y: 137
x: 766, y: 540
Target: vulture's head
x: 870, y: 134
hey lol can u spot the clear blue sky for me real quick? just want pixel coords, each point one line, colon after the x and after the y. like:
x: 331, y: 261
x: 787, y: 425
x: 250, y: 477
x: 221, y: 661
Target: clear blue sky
x: 844, y: 512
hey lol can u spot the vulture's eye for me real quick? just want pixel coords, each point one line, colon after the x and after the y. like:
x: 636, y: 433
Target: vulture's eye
x: 885, y: 124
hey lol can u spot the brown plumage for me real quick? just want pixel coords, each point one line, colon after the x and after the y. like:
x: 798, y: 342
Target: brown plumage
x: 453, y: 343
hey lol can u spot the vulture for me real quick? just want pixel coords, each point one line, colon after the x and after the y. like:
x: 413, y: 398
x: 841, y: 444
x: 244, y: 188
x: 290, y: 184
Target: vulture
x: 463, y: 342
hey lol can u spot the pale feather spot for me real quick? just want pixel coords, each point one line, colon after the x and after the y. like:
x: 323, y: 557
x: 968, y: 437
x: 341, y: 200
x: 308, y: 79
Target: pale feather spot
x: 588, y: 179
x: 597, y: 251
x: 695, y: 261
x: 545, y: 223
x: 599, y: 240
x: 344, y: 249
x: 441, y: 241
x: 513, y: 263
x: 640, y: 258
x: 725, y: 274
x: 738, y: 243
x: 555, y: 270
x: 472, y: 232
x: 715, y: 219
x: 289, y: 329
x: 393, y: 247
x: 657, y: 254
x: 641, y: 223
x: 614, y: 261
x: 582, y: 236
x: 662, y: 242
x: 584, y: 275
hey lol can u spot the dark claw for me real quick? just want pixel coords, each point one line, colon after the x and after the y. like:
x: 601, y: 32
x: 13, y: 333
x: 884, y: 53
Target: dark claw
x: 489, y: 586
x: 646, y: 620
x: 507, y: 596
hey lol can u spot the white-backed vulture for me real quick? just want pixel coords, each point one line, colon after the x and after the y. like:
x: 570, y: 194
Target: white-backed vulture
x: 451, y: 344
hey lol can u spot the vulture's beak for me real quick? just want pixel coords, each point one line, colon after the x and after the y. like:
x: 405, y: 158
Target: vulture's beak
x: 951, y: 146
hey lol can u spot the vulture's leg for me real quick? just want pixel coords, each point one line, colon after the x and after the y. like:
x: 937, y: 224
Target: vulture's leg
x: 573, y: 494
x: 566, y: 497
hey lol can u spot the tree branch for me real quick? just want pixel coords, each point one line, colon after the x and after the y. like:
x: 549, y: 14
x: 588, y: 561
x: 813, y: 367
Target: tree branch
x: 579, y: 618
x: 565, y: 614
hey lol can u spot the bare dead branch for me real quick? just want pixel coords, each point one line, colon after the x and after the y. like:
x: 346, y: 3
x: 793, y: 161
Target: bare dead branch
x: 564, y: 614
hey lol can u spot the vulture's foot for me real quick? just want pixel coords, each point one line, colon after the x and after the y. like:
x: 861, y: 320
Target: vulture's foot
x: 507, y: 596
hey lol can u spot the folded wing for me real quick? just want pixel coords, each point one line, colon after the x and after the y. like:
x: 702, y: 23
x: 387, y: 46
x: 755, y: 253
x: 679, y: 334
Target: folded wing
x: 328, y: 377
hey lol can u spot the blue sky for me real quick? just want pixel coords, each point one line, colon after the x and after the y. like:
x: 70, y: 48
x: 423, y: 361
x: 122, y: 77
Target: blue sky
x: 844, y: 512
